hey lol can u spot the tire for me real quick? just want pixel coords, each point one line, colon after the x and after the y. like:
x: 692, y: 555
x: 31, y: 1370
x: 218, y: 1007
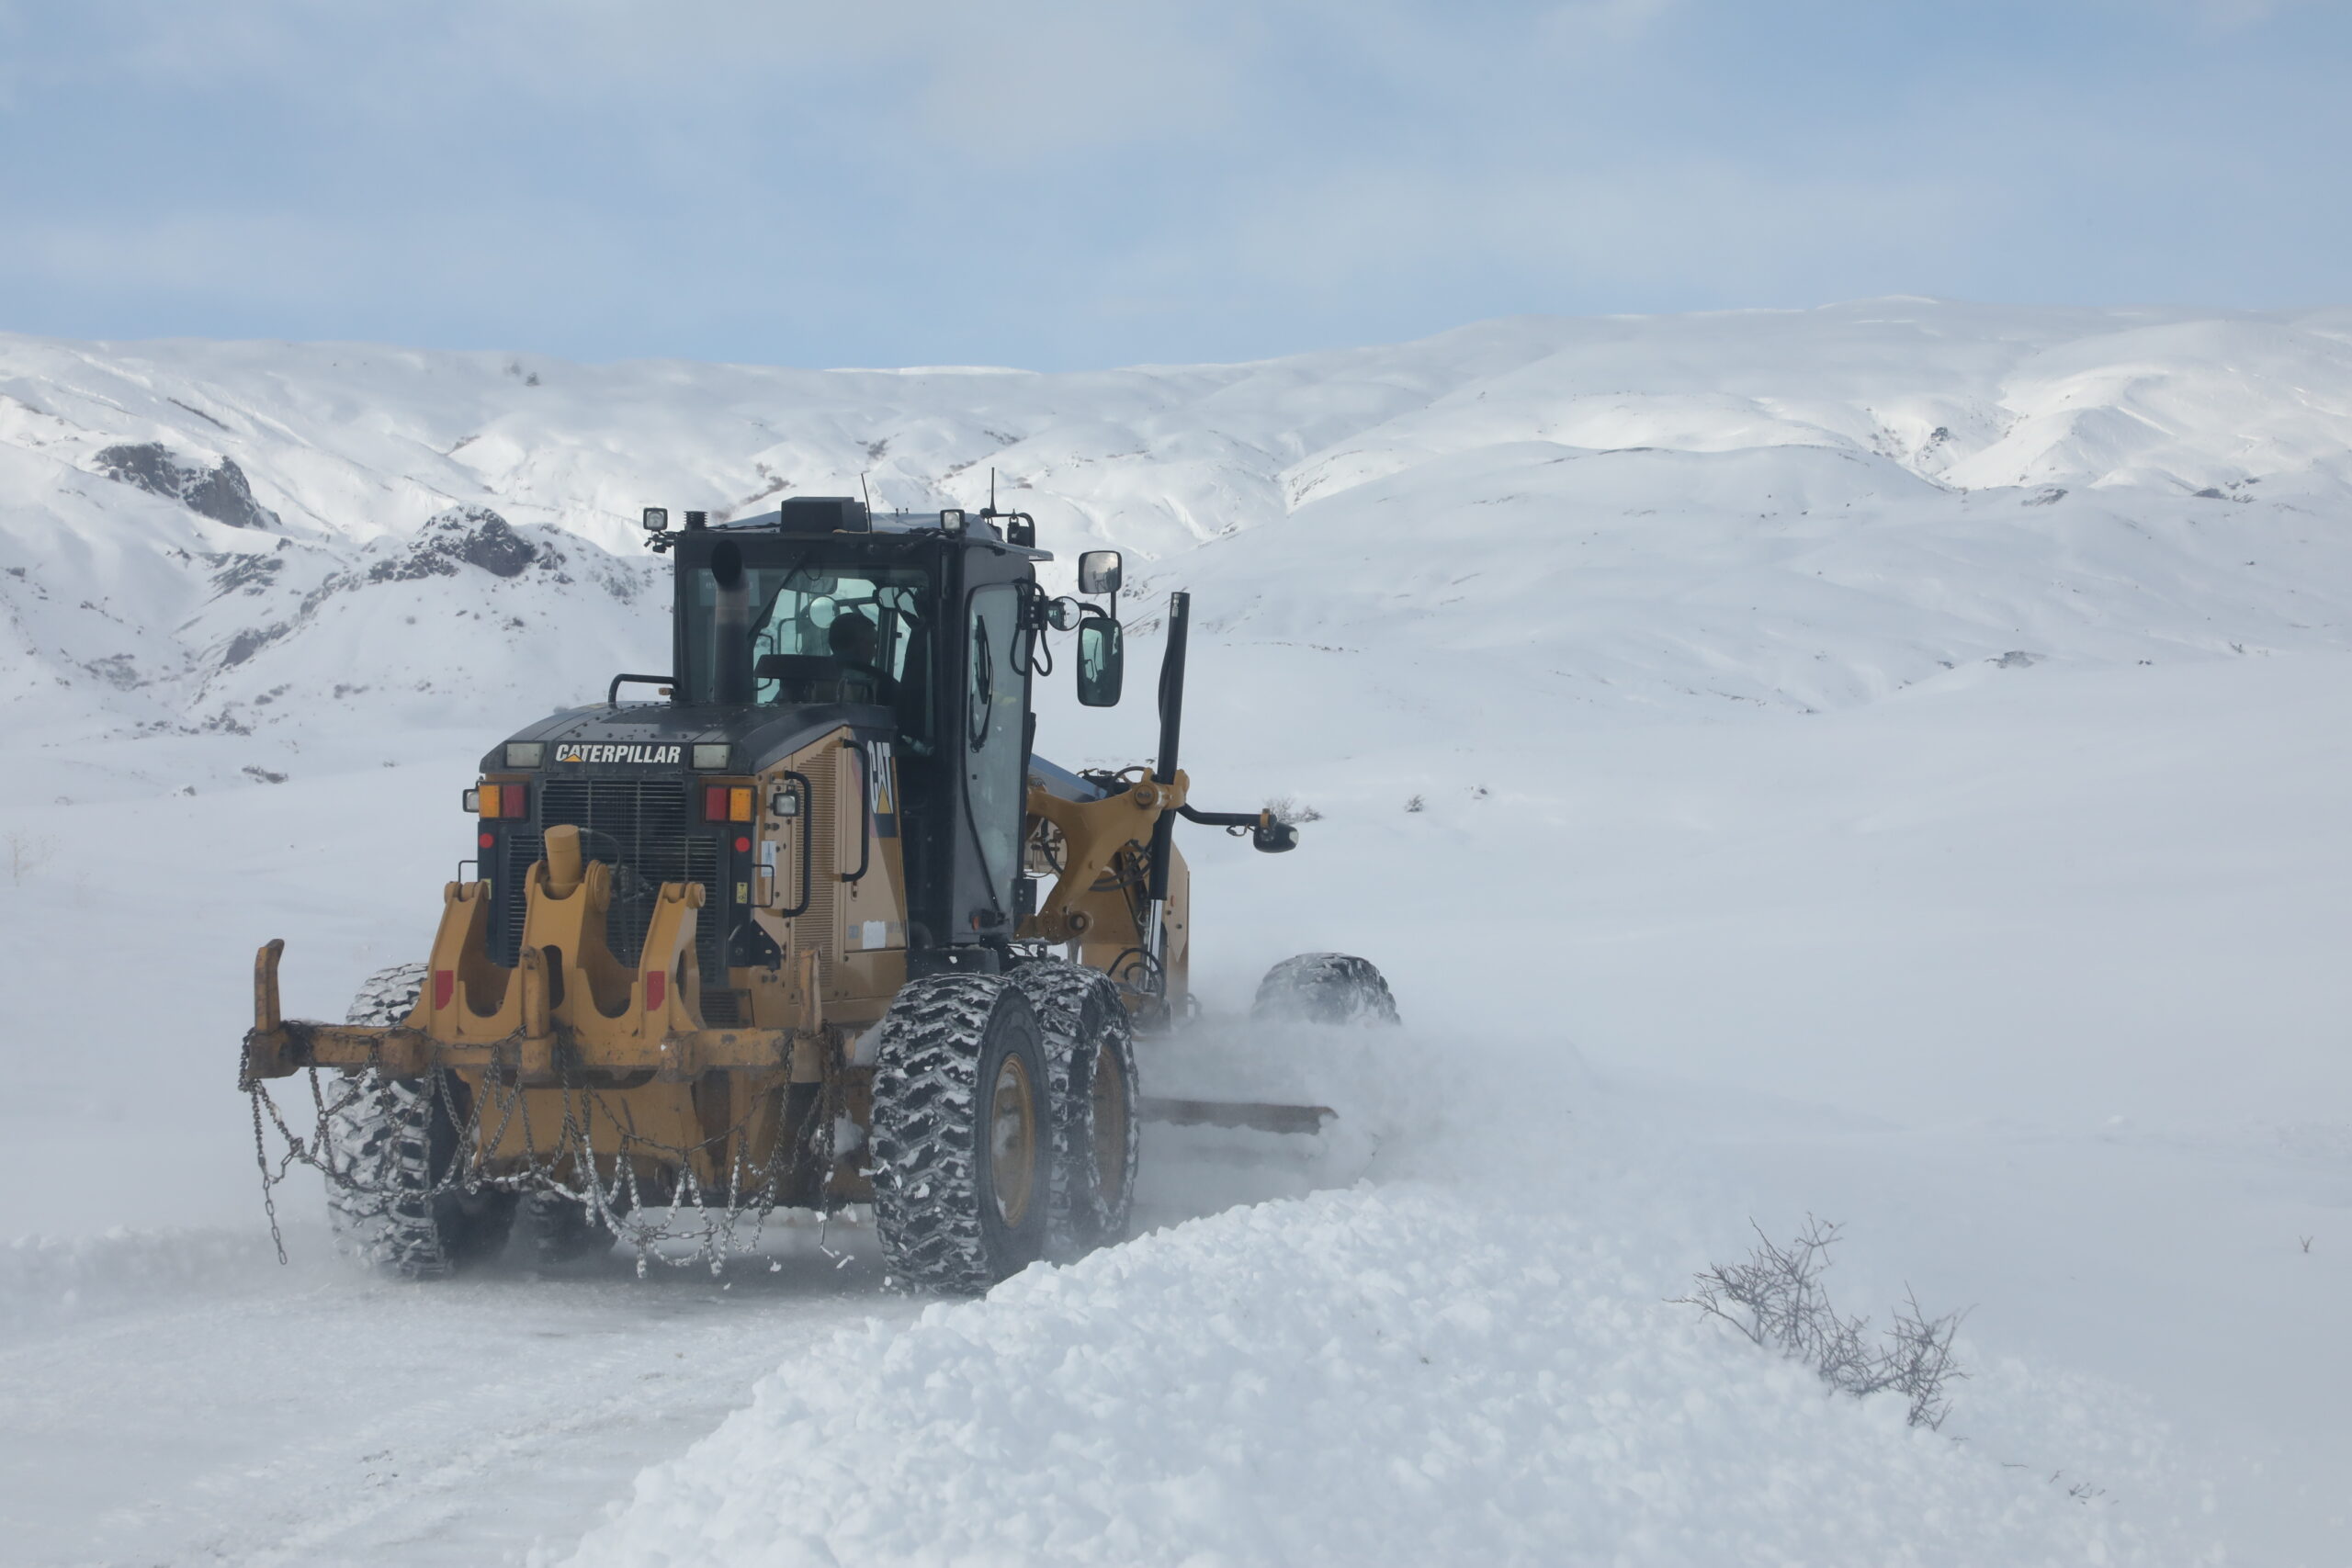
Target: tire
x: 392, y: 1142
x: 1324, y: 987
x: 555, y: 1229
x: 962, y: 1143
x: 1091, y: 1059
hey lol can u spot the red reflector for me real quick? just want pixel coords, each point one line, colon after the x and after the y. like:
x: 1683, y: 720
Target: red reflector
x: 657, y: 989
x: 742, y: 846
x: 444, y: 987
x: 490, y: 840
x: 714, y: 803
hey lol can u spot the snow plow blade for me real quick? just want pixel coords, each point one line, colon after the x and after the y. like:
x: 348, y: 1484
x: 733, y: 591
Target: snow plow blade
x: 1236, y: 1113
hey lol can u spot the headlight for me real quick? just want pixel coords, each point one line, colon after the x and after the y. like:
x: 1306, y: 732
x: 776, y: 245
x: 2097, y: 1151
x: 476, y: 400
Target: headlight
x: 712, y: 756
x: 525, y: 753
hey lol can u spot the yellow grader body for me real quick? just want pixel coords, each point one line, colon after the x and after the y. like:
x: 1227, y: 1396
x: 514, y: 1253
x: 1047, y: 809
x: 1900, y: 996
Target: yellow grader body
x: 570, y: 1050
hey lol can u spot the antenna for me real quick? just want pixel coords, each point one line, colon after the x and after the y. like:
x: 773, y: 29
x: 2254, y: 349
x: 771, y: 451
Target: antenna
x: 991, y: 511
x: 866, y: 493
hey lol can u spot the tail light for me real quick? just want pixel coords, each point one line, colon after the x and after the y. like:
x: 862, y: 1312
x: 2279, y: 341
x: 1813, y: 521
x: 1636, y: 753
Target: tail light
x: 727, y: 803
x: 502, y: 800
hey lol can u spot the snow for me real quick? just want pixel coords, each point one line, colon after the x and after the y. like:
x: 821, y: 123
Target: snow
x: 1860, y: 773
x: 1375, y: 1375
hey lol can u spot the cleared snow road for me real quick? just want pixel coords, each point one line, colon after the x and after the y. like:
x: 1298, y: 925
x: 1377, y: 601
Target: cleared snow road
x: 258, y: 1415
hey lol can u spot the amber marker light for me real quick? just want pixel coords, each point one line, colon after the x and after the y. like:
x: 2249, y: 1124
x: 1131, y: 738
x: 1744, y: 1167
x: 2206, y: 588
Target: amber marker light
x: 727, y: 803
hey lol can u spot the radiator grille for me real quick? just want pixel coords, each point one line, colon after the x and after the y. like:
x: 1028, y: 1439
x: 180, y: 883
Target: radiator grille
x: 639, y: 827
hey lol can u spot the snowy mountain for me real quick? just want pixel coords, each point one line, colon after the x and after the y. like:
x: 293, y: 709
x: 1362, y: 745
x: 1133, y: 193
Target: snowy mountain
x: 1800, y: 509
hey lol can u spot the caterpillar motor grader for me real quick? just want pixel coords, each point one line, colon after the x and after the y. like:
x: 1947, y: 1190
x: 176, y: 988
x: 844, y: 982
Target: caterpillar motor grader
x: 816, y: 927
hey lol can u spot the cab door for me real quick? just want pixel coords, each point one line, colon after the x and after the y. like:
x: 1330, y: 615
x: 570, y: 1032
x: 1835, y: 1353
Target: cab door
x: 994, y: 743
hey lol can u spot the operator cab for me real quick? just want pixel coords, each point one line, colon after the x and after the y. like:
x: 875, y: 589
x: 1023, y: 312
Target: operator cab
x: 921, y: 634
x: 770, y: 619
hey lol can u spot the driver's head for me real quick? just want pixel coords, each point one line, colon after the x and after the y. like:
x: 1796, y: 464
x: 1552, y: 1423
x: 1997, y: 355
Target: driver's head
x: 851, y: 638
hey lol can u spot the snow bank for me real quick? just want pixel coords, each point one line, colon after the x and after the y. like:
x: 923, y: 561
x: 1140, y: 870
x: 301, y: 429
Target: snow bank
x: 1375, y: 1375
x: 46, y: 1278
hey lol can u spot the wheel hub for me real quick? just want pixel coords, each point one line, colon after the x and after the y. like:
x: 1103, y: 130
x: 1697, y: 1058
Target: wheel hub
x: 1012, y: 1142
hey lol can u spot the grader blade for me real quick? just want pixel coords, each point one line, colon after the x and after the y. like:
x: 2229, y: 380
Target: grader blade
x: 1257, y: 1115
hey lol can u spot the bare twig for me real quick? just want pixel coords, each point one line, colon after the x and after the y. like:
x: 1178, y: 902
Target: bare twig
x: 1775, y: 1298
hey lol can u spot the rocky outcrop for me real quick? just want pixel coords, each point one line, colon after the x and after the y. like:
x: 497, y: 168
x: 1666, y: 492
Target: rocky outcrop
x: 219, y: 491
x: 462, y: 535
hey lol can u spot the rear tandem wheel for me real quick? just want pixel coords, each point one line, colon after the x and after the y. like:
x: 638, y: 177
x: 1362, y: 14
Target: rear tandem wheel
x: 963, y: 1140
x: 1091, y: 1055
x: 392, y: 1144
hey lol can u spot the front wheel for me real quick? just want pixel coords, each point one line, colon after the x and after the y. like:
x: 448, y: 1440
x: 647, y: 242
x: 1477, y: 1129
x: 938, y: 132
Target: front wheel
x: 1324, y: 987
x: 963, y: 1142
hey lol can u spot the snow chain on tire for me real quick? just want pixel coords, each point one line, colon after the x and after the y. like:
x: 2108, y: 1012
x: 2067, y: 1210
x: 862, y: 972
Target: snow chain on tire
x: 1086, y: 1026
x: 392, y: 1143
x: 942, y: 1045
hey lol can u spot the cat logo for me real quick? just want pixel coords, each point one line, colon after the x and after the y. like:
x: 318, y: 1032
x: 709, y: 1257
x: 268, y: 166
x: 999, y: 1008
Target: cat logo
x: 650, y: 756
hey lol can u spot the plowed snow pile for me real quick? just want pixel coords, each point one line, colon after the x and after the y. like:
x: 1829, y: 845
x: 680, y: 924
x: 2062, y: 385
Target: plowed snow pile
x: 1392, y: 1375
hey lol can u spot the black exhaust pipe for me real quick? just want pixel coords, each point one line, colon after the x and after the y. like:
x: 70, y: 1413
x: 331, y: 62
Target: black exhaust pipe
x: 731, y: 674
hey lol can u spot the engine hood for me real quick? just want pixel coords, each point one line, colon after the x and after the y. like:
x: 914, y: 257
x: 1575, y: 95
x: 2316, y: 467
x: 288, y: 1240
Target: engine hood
x: 631, y: 738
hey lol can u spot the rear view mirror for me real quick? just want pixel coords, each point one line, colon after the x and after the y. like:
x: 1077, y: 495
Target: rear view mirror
x: 1102, y: 662
x: 1098, y: 571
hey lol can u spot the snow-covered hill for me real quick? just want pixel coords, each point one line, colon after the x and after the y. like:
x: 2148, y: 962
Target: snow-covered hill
x: 1795, y: 509
x: 1885, y: 760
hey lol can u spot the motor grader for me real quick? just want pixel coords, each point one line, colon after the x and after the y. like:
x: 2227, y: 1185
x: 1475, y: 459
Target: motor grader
x: 815, y: 927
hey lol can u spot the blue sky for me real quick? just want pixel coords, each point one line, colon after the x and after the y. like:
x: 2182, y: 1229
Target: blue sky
x: 1058, y: 185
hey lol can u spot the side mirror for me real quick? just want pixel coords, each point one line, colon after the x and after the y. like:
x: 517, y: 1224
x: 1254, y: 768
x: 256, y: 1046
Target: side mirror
x: 1277, y: 838
x: 1102, y: 662
x: 1098, y: 571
